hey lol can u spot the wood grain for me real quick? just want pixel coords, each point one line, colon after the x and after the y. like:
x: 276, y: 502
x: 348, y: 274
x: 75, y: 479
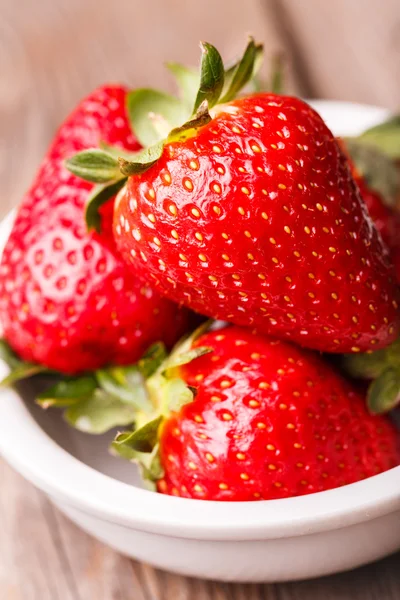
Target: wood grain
x: 45, y: 557
x: 53, y: 52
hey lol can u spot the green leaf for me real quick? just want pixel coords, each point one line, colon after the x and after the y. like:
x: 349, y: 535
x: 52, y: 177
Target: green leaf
x: 379, y: 171
x: 384, y: 392
x: 94, y: 165
x: 99, y: 413
x: 127, y: 384
x: 365, y: 366
x: 183, y: 358
x: 176, y: 394
x: 8, y: 355
x: 117, y: 151
x: 188, y: 81
x: 143, y: 439
x: 143, y: 161
x: 23, y: 371
x: 67, y: 392
x: 189, y: 129
x: 374, y: 365
x: 99, y: 196
x: 243, y: 72
x: 152, y: 359
x: 385, y: 136
x: 258, y: 60
x: 149, y: 462
x: 143, y: 104
x: 150, y: 466
x: 211, y: 76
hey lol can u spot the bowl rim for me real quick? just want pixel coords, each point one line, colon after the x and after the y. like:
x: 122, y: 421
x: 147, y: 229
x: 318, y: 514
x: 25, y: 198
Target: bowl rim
x: 66, y: 479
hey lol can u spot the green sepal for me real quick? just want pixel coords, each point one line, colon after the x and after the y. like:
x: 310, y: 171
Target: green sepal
x: 143, y: 439
x: 127, y: 384
x: 212, y: 74
x: 169, y: 394
x: 370, y: 366
x: 152, y: 359
x: 383, y: 367
x: 143, y: 103
x: 94, y: 165
x: 8, y: 355
x: 117, y: 151
x: 99, y: 413
x: 243, y: 72
x: 99, y: 196
x: 377, y: 169
x: 21, y: 372
x: 176, y: 394
x: 149, y: 463
x: 184, y: 358
x: 385, y: 136
x: 143, y: 160
x: 151, y: 467
x: 384, y: 393
x: 189, y: 129
x: 19, y: 369
x: 188, y: 81
x: 142, y: 447
x: 67, y: 392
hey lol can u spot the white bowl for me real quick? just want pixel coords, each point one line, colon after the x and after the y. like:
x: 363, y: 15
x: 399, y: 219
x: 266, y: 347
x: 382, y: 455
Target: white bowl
x: 264, y: 541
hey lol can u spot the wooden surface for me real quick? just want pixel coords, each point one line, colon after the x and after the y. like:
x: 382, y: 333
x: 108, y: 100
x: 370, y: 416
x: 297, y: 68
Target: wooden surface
x: 52, y: 52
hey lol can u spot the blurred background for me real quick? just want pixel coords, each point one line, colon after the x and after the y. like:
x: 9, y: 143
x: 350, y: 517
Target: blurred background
x: 52, y: 52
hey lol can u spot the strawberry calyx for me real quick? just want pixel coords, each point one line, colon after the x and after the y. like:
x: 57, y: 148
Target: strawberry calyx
x: 385, y: 137
x: 377, y: 169
x: 169, y: 393
x: 19, y: 369
x: 93, y: 402
x: 158, y: 118
x: 382, y: 368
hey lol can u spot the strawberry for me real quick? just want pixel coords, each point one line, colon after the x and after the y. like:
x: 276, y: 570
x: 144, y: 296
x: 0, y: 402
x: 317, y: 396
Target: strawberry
x: 378, y: 180
x: 258, y: 419
x: 248, y: 213
x: 67, y: 300
x: 386, y: 219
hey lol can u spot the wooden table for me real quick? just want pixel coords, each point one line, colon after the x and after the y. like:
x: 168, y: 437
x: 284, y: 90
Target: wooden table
x: 51, y: 53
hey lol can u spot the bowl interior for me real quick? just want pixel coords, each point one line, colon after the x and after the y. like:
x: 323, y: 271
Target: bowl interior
x: 91, y: 450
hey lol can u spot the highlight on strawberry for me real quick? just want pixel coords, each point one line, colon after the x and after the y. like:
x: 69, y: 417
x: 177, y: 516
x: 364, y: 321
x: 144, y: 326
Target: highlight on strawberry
x: 247, y: 212
x: 68, y: 302
x: 238, y: 416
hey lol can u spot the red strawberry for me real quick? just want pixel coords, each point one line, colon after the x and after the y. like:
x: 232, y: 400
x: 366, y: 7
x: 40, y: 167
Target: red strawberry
x: 67, y: 300
x: 268, y: 420
x: 386, y: 220
x: 252, y: 216
x: 378, y: 180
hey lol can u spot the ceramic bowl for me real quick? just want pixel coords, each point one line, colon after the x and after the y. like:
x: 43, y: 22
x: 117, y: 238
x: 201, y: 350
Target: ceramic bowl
x: 263, y: 541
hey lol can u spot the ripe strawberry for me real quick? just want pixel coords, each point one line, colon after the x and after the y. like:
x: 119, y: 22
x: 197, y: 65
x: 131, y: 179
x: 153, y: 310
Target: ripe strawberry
x: 378, y: 180
x: 249, y: 214
x: 268, y: 420
x: 67, y: 300
x: 386, y: 220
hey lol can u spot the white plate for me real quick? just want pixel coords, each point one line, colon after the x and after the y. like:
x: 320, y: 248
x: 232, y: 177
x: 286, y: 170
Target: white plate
x: 276, y: 540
